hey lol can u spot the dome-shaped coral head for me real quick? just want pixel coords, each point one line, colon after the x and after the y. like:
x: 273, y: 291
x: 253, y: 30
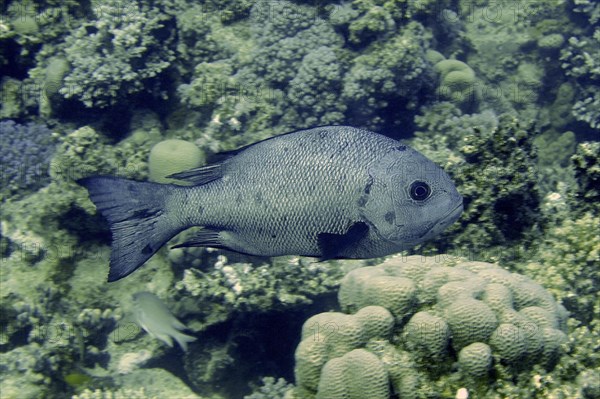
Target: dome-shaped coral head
x: 412, y: 199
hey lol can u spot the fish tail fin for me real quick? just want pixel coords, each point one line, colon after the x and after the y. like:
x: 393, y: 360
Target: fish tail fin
x: 183, y: 339
x: 137, y: 216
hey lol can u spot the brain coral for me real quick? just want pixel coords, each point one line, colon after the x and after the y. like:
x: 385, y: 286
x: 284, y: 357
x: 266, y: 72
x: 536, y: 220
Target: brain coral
x: 358, y: 374
x: 422, y: 319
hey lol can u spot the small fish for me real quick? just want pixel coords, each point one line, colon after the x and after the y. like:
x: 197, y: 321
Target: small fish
x: 328, y: 192
x: 155, y: 318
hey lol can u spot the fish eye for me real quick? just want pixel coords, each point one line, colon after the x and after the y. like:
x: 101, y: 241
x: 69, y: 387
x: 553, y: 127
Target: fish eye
x: 419, y: 190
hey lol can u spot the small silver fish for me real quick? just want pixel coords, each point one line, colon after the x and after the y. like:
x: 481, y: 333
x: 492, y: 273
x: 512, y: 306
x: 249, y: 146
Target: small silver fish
x: 155, y: 318
x: 328, y: 192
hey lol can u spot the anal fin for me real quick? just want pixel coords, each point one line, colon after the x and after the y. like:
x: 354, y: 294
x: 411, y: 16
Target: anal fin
x: 334, y: 245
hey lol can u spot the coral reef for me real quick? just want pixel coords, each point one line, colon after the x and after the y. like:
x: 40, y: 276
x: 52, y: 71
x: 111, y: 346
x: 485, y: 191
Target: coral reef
x: 271, y: 388
x: 358, y: 374
x: 117, y: 54
x: 392, y: 74
x: 493, y: 163
x: 488, y: 316
x: 235, y: 287
x: 580, y: 61
x: 284, y: 34
x: 116, y: 394
x: 457, y: 83
x: 90, y: 87
x: 314, y: 93
x: 567, y: 264
x: 586, y: 163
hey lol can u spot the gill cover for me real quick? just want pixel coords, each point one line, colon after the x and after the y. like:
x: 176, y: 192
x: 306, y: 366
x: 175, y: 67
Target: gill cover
x: 389, y: 206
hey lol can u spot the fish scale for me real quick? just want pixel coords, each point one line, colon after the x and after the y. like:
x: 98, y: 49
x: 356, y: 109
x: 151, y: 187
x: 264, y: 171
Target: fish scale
x: 329, y: 192
x: 320, y: 203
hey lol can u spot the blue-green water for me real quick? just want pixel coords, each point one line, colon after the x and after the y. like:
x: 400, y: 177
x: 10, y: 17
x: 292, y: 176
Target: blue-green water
x: 503, y: 95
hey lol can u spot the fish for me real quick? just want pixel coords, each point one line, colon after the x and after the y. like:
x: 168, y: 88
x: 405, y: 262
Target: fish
x: 154, y: 317
x: 331, y: 192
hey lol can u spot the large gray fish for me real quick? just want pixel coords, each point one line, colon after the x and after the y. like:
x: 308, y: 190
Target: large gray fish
x: 328, y: 192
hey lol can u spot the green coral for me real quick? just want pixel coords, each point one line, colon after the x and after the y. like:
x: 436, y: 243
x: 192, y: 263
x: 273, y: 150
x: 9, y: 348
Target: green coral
x: 374, y: 287
x: 210, y: 82
x: 172, y: 156
x: 394, y: 73
x: 114, y: 394
x: 234, y: 287
x: 470, y: 320
x: 285, y: 33
x: 117, y: 54
x: 579, y: 60
x: 567, y: 263
x: 327, y: 336
x: 586, y: 164
x: 427, y: 335
x: 522, y: 325
x: 493, y: 163
x: 313, y: 94
x: 363, y: 21
x: 551, y: 43
x: 475, y: 359
x: 457, y: 83
x: 358, y: 374
x: 271, y: 388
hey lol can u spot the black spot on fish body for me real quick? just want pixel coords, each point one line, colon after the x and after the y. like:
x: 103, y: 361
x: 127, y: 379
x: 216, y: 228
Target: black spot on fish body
x: 362, y: 201
x: 367, y: 189
x: 144, y: 213
x: 147, y: 250
x: 401, y: 148
x: 390, y: 217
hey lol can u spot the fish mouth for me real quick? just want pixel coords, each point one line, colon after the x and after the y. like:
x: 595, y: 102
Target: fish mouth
x: 453, y: 215
x: 445, y: 221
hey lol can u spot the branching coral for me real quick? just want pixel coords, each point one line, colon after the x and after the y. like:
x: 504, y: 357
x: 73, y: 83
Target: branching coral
x: 493, y: 163
x: 389, y: 76
x: 314, y: 93
x: 285, y: 33
x: 580, y: 61
x: 117, y: 54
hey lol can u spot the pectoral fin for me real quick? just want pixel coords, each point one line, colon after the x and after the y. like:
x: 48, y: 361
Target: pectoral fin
x: 201, y: 175
x: 335, y: 245
x: 204, y: 238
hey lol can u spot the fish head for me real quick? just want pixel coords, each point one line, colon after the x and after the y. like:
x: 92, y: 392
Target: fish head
x: 410, y: 199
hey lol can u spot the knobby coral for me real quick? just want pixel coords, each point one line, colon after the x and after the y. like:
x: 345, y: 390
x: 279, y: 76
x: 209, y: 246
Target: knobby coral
x: 476, y: 314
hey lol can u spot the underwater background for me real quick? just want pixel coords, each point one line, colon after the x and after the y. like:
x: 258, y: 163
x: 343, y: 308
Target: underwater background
x: 504, y: 95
